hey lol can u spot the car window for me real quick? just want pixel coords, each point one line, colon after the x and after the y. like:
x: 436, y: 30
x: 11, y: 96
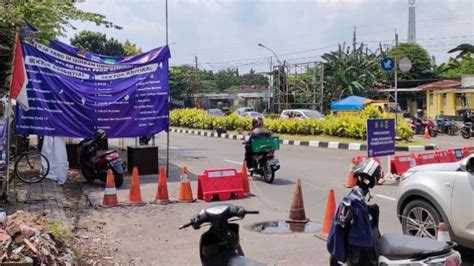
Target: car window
x: 313, y: 114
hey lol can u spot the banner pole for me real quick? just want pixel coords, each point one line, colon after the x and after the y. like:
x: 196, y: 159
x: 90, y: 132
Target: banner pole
x: 9, y: 114
x: 169, y: 99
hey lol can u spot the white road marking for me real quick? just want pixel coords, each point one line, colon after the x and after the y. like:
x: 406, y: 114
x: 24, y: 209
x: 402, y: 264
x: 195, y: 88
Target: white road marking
x: 385, y: 197
x: 230, y: 161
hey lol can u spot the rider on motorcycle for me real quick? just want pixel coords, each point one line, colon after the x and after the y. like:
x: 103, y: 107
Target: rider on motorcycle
x: 258, y: 131
x: 466, y: 116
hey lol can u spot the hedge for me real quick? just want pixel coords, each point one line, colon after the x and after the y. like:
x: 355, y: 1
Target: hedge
x: 341, y: 126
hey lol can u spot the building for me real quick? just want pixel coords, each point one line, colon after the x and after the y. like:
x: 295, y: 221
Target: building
x: 449, y: 96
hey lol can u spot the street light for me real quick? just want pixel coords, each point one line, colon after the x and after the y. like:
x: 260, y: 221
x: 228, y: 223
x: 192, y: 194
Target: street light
x: 273, y: 52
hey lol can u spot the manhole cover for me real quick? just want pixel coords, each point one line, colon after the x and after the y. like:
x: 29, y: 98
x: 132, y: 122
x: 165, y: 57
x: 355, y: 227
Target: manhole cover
x: 283, y: 227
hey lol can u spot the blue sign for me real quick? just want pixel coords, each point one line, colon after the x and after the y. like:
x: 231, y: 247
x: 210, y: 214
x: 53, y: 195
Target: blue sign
x: 72, y: 93
x: 387, y: 64
x: 380, y: 137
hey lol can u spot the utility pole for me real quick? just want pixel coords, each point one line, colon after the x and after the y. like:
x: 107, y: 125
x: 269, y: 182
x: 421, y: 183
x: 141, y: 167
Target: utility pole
x: 196, y: 61
x: 270, y: 87
x: 321, y: 82
x: 396, y: 38
x: 354, y: 40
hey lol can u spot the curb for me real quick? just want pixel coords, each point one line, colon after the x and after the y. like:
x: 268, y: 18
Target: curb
x: 312, y: 143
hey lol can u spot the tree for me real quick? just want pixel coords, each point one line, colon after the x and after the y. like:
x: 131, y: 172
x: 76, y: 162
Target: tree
x: 131, y: 49
x: 226, y: 78
x: 252, y: 78
x: 96, y: 42
x: 464, y: 49
x: 420, y: 60
x: 456, y: 68
x: 51, y: 18
x: 349, y: 72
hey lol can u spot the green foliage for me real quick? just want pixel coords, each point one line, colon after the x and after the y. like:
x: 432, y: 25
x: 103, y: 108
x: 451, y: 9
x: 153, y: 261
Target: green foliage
x: 98, y: 43
x: 457, y: 67
x: 58, y: 232
x: 340, y: 126
x: 419, y: 57
x: 349, y: 72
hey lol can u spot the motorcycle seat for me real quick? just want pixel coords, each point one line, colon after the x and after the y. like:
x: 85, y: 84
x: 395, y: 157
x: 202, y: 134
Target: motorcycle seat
x: 102, y: 154
x: 243, y: 261
x: 398, y: 247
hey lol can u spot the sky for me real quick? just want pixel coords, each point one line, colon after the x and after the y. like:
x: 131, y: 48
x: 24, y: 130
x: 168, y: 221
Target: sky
x: 225, y: 33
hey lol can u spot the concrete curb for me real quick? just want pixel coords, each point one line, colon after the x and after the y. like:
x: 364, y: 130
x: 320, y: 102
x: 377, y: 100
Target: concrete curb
x: 312, y: 143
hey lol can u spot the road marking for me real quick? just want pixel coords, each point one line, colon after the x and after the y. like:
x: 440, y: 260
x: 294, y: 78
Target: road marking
x: 385, y: 197
x: 230, y: 161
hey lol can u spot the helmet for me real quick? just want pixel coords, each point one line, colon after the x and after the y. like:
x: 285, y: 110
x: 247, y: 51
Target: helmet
x: 419, y: 111
x: 257, y: 122
x: 368, y: 172
x: 99, y: 134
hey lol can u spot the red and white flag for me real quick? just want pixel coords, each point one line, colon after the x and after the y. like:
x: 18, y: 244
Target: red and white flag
x: 19, y: 78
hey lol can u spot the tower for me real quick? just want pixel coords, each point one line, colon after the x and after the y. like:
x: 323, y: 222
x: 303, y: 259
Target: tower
x: 411, y: 22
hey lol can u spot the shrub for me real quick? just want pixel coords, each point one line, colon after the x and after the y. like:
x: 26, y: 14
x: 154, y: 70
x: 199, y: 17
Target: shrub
x: 351, y: 126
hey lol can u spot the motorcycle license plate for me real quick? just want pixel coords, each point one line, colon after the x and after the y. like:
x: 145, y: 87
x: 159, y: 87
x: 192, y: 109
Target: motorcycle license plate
x: 273, y: 162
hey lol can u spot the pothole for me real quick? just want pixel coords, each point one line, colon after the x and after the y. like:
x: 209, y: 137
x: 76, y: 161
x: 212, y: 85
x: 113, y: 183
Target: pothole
x: 283, y: 227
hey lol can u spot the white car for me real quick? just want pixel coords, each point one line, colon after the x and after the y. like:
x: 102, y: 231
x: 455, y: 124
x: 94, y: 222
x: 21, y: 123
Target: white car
x: 301, y: 114
x: 242, y: 110
x: 434, y: 193
x: 252, y: 114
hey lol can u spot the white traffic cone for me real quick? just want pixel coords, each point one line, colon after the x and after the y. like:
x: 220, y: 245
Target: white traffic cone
x: 443, y: 233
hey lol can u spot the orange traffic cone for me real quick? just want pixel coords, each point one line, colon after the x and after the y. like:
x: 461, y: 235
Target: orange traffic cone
x: 162, y: 192
x: 245, y: 178
x: 329, y: 214
x: 110, y: 194
x: 297, y: 213
x: 135, y: 196
x: 427, y: 133
x: 351, y: 181
x: 185, y: 191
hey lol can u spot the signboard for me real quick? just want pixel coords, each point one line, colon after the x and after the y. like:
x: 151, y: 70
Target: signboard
x: 387, y: 64
x: 380, y: 137
x: 404, y: 64
x: 72, y: 93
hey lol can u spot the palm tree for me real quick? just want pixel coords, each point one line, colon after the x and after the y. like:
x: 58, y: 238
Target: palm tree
x: 463, y: 49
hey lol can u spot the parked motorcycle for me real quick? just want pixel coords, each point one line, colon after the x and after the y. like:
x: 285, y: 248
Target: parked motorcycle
x: 220, y: 244
x: 467, y: 130
x: 448, y: 127
x: 419, y: 128
x: 95, y: 166
x: 353, y: 242
x: 265, y: 165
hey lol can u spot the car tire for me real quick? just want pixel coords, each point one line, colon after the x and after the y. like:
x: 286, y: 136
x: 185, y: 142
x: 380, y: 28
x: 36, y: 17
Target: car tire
x: 424, y: 211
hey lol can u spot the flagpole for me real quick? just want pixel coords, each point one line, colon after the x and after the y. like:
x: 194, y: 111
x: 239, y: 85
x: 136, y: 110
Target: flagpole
x: 9, y: 114
x: 169, y: 99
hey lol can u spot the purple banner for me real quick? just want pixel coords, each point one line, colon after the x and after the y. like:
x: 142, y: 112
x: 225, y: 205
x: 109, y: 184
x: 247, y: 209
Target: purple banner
x: 72, y: 93
x: 380, y: 137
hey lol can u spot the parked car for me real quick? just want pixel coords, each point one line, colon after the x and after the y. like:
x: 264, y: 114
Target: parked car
x: 215, y: 112
x: 301, y: 114
x: 252, y: 114
x: 242, y: 110
x: 434, y: 193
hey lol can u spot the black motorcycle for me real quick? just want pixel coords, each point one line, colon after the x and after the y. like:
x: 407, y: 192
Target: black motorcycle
x: 95, y: 166
x: 220, y: 244
x: 447, y: 127
x: 387, y: 249
x: 467, y: 130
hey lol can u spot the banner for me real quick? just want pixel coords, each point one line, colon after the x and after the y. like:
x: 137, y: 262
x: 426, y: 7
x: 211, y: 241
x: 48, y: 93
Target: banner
x: 72, y: 93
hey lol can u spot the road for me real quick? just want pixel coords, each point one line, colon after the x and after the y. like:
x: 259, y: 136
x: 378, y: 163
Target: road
x: 319, y: 170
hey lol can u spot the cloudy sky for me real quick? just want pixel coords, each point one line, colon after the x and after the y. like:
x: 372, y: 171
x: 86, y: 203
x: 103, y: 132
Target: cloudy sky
x: 225, y: 33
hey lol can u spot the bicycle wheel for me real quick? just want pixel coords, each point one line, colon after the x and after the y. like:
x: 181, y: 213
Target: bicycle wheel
x: 29, y: 167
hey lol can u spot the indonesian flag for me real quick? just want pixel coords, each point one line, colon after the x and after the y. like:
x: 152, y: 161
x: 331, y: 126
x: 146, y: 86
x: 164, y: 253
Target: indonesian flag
x: 19, y: 78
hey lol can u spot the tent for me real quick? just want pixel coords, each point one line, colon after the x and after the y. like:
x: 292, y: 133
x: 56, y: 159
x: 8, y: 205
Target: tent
x: 351, y: 103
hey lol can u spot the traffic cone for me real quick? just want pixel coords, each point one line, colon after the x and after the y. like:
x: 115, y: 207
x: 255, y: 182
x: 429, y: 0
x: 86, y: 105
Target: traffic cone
x: 245, y: 178
x: 351, y: 181
x: 427, y: 133
x: 329, y: 214
x: 443, y: 233
x: 185, y: 191
x: 135, y: 196
x: 162, y: 191
x: 297, y: 213
x: 110, y: 194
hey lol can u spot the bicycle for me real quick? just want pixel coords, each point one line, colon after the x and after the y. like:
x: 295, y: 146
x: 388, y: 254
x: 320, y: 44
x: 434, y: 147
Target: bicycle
x: 31, y: 166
